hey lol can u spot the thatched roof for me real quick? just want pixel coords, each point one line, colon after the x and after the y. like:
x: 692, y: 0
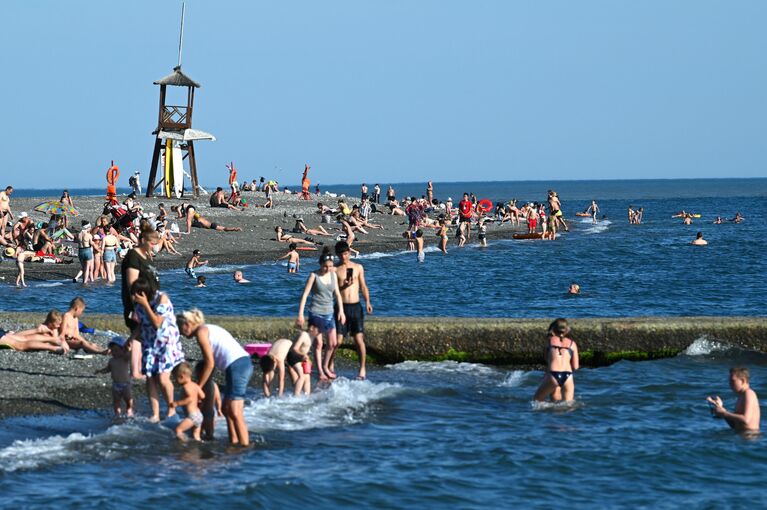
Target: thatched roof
x: 178, y: 79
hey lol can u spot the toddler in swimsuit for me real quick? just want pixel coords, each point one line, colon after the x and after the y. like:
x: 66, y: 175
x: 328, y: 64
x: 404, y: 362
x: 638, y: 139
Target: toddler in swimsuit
x: 119, y: 368
x: 193, y: 395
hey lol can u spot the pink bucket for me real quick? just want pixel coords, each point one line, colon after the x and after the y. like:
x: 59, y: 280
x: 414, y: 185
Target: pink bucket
x: 257, y: 349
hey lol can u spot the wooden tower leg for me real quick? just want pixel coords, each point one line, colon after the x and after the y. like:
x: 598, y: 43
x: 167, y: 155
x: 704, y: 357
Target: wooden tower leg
x: 193, y: 169
x: 153, y: 169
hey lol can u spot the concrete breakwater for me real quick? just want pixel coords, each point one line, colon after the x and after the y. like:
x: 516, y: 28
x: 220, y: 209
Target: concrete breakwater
x: 496, y: 341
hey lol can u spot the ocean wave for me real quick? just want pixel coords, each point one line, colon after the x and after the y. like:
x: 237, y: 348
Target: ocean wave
x: 345, y: 402
x: 516, y: 378
x: 703, y: 346
x: 380, y: 255
x: 444, y: 367
x: 595, y: 228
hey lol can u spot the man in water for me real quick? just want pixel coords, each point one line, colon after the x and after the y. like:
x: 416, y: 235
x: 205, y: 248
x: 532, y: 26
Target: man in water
x: 465, y: 210
x: 593, y: 209
x: 238, y: 278
x: 699, y: 241
x: 555, y: 209
x: 747, y: 413
x: 351, y: 280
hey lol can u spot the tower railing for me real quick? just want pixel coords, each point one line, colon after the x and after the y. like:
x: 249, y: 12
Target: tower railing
x: 175, y: 116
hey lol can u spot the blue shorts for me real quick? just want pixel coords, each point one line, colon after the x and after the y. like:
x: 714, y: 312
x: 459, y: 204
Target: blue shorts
x: 85, y: 254
x: 110, y: 256
x: 237, y: 377
x: 324, y: 323
x: 191, y: 272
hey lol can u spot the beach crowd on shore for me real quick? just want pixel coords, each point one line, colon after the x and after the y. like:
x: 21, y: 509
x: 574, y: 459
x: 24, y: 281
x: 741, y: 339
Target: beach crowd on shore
x: 153, y: 352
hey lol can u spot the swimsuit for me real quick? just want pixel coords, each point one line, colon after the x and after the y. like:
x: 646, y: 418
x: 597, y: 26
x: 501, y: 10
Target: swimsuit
x: 293, y: 358
x: 292, y: 265
x: 196, y: 418
x: 355, y: 319
x: 561, y: 377
x: 85, y: 254
x: 190, y: 271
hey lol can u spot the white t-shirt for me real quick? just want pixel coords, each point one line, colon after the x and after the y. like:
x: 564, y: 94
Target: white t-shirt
x: 226, y: 349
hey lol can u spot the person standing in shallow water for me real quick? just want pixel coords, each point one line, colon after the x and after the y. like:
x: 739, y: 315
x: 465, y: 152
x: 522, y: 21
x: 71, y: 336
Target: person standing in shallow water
x: 561, y: 355
x: 351, y: 281
x: 747, y: 415
x: 323, y: 287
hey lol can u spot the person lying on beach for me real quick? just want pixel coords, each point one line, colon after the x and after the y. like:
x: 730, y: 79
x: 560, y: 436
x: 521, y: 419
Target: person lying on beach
x: 193, y: 263
x: 70, y: 328
x: 282, y: 237
x: 29, y: 343
x: 119, y: 368
x: 323, y: 209
x: 238, y: 278
x: 195, y: 219
x: 300, y: 228
x: 395, y: 210
x: 699, y: 241
x: 291, y: 356
x: 189, y: 403
x: 561, y: 354
x: 294, y: 259
x: 747, y: 415
x: 362, y: 221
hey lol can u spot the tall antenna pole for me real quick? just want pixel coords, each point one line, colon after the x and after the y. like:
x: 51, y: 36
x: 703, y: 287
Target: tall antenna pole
x: 181, y: 35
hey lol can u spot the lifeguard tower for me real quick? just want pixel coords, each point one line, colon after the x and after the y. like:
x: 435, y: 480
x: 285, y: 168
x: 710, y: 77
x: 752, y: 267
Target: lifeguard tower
x: 174, y: 135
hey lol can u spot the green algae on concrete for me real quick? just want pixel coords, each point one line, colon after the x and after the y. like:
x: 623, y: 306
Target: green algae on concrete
x: 495, y: 341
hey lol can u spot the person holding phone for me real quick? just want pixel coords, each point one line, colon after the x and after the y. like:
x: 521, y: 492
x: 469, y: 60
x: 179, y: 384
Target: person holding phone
x: 351, y: 281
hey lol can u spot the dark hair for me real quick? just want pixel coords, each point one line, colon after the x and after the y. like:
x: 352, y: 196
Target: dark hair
x: 292, y: 246
x: 419, y: 233
x: 201, y: 279
x: 342, y: 247
x: 325, y: 255
x: 267, y: 364
x: 143, y: 285
x: 196, y: 252
x: 559, y: 327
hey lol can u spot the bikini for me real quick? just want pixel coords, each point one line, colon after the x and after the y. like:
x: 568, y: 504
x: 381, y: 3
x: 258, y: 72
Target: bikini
x: 561, y: 377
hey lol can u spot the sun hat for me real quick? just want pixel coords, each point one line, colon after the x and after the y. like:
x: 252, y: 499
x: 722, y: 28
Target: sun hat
x: 9, y: 252
x: 117, y: 340
x: 23, y: 214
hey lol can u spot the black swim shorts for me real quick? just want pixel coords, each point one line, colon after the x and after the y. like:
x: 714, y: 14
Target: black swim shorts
x: 213, y: 225
x: 294, y: 358
x: 355, y: 320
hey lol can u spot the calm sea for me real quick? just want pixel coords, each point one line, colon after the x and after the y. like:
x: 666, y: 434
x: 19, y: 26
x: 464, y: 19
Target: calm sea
x: 449, y: 435
x: 623, y: 270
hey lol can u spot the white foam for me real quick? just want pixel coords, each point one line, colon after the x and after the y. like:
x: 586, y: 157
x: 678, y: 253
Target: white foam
x: 344, y: 402
x: 381, y: 255
x: 565, y: 406
x: 444, y: 367
x: 515, y: 378
x: 703, y: 346
x: 48, y: 284
x: 596, y: 228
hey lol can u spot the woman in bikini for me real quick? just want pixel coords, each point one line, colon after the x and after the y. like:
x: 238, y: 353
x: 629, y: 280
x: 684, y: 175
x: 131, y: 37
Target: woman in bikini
x: 287, y: 238
x: 561, y: 355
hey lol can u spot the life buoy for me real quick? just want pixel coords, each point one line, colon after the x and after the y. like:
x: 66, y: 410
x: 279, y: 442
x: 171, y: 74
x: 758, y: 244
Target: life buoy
x: 485, y: 205
x: 113, y: 174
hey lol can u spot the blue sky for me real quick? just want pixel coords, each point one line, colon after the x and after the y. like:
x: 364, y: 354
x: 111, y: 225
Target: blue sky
x: 390, y: 91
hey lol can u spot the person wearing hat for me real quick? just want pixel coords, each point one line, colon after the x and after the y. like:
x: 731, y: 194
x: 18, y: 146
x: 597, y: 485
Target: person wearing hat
x: 21, y: 227
x: 119, y: 367
x: 135, y: 182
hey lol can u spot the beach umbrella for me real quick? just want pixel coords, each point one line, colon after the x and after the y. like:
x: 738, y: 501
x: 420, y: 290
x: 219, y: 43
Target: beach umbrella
x: 57, y: 207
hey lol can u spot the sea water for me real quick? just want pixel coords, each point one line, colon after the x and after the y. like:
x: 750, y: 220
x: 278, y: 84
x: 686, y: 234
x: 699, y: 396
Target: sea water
x: 623, y: 270
x: 419, y: 435
x: 456, y: 435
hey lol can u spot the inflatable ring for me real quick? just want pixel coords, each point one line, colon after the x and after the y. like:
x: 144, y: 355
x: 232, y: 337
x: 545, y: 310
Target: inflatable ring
x: 485, y: 205
x: 113, y: 174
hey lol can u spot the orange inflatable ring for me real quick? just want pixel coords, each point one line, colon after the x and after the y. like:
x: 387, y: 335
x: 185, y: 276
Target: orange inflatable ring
x: 485, y: 205
x: 113, y: 174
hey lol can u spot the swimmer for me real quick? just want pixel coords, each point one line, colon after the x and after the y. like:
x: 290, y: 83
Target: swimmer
x: 200, y: 281
x: 699, y: 241
x: 574, y: 289
x: 746, y: 416
x: 562, y: 360
x: 239, y: 278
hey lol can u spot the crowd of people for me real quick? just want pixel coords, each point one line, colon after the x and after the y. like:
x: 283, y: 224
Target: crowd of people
x: 332, y: 296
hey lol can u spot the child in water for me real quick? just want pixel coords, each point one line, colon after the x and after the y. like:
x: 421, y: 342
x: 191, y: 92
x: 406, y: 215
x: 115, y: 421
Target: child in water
x: 419, y: 245
x: 294, y: 259
x: 746, y: 416
x: 194, y: 263
x: 193, y: 394
x: 200, y: 281
x: 119, y: 367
